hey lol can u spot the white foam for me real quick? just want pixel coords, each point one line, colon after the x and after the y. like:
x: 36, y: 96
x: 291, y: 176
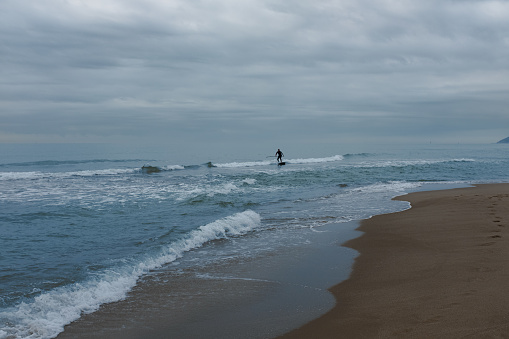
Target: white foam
x: 193, y: 191
x: 173, y: 167
x: 244, y: 164
x: 223, y: 189
x: 463, y: 160
x: 249, y: 181
x: 272, y: 162
x: 316, y: 160
x: 111, y: 171
x: 404, y: 163
x: 49, y: 312
x: 392, y: 186
x: 47, y: 175
x: 21, y: 175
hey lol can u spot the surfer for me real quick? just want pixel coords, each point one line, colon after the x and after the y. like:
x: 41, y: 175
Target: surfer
x: 279, y: 155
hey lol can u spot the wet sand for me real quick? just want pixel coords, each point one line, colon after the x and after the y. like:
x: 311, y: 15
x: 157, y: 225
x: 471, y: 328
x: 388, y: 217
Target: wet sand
x: 256, y: 297
x: 437, y: 270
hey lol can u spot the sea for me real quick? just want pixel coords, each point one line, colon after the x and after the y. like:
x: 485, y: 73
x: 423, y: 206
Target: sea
x: 83, y: 225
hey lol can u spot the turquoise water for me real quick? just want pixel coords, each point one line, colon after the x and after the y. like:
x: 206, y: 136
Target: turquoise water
x: 80, y: 224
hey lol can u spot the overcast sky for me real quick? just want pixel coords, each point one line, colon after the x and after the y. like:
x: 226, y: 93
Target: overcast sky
x: 242, y: 71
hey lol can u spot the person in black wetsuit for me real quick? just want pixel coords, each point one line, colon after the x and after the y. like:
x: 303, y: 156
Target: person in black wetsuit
x: 279, y: 155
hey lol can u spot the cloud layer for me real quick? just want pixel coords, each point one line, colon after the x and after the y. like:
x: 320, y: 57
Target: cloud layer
x: 325, y: 70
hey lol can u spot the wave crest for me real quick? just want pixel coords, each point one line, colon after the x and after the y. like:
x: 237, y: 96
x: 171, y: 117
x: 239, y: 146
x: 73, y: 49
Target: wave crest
x: 49, y: 312
x: 272, y: 162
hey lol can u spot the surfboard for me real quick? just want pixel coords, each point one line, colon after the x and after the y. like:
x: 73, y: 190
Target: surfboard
x: 281, y: 163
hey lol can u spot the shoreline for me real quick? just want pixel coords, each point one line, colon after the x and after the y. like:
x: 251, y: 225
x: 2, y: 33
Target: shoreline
x: 438, y: 269
x: 260, y: 297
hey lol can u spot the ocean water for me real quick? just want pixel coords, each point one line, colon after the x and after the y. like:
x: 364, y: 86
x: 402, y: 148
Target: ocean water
x: 81, y: 224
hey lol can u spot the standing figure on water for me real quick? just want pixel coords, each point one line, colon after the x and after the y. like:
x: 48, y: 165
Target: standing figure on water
x: 279, y: 155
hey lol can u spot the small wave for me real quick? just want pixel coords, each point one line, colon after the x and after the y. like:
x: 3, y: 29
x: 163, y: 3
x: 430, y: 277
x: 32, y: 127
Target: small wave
x: 406, y: 163
x: 249, y: 181
x: 4, y: 176
x: 244, y: 164
x: 269, y: 162
x: 463, y: 160
x: 315, y: 160
x: 150, y: 169
x: 361, y: 155
x: 174, y: 167
x: 204, y: 193
x: 67, y: 162
x: 391, y: 186
x: 112, y: 171
x: 49, y: 312
x: 223, y: 189
x: 155, y: 169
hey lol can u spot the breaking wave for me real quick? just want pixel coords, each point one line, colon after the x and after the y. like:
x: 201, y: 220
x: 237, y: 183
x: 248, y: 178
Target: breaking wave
x: 48, y: 313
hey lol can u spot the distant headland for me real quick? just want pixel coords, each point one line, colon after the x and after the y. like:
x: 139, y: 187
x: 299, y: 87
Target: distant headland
x: 504, y: 141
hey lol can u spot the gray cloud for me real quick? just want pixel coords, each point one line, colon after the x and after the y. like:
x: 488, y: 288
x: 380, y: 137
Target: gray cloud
x: 336, y: 70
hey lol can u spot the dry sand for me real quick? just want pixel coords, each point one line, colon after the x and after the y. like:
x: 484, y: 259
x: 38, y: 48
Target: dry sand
x: 437, y: 270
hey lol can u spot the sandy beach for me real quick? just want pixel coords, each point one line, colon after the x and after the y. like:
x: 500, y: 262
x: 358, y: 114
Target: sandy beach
x: 437, y: 270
